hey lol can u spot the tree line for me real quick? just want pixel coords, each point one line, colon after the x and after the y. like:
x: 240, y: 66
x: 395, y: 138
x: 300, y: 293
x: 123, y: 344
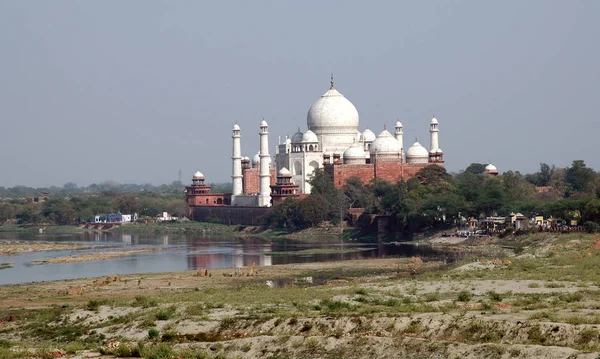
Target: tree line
x: 435, y: 198
x: 70, y: 204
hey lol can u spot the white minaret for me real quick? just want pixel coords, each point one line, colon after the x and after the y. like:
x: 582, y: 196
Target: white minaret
x: 399, y: 134
x: 264, y: 195
x: 236, y: 173
x: 433, y: 134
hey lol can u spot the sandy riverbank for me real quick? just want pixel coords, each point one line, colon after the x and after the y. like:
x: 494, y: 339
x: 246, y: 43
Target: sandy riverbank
x: 11, y: 247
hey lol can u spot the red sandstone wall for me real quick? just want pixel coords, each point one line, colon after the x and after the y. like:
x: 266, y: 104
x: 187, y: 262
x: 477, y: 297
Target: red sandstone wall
x: 388, y: 171
x: 251, y: 180
x: 213, y: 199
x: 340, y: 173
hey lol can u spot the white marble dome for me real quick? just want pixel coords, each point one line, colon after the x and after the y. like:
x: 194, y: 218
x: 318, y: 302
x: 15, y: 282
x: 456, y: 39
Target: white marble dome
x: 332, y: 111
x: 309, y: 136
x: 284, y: 172
x: 198, y: 174
x: 368, y: 135
x: 354, y: 155
x: 236, y: 127
x: 398, y: 124
x: 263, y: 123
x: 256, y: 159
x: 297, y: 137
x: 491, y: 169
x: 384, y: 145
x: 417, y: 154
x: 434, y: 121
x: 354, y: 152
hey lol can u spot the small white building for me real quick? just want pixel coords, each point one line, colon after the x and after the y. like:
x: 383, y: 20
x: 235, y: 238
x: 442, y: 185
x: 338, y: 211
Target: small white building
x: 166, y: 217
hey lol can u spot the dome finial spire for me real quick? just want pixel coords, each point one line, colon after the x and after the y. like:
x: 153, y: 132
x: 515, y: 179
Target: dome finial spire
x: 385, y: 126
x: 331, y: 82
x: 416, y: 139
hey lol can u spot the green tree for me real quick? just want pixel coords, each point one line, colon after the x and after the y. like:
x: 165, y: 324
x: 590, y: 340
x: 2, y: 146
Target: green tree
x: 59, y: 211
x: 580, y: 178
x: 358, y: 194
x: 314, y: 209
x: 322, y: 184
x: 128, y: 204
x: 475, y: 168
x: 492, y: 197
x: 516, y: 188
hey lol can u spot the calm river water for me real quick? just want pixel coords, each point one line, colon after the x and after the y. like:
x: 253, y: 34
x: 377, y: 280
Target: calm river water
x: 188, y: 252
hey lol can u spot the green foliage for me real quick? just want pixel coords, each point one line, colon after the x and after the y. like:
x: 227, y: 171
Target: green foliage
x: 475, y: 168
x: 580, y: 178
x: 153, y: 333
x: 591, y: 227
x: 464, y: 296
x: 164, y: 314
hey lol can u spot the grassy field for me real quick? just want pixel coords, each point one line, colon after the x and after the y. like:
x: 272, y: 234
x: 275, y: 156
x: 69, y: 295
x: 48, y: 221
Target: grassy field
x: 543, y: 302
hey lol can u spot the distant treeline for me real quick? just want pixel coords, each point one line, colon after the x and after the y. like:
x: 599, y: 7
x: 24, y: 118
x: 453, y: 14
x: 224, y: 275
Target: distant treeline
x: 71, y: 204
x: 70, y: 188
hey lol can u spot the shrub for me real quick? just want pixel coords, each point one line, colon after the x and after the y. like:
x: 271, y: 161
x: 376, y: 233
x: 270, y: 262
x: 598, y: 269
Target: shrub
x: 165, y: 314
x: 464, y: 296
x: 144, y: 302
x: 591, y: 227
x: 335, y: 305
x: 161, y: 351
x: 571, y: 297
x: 153, y: 333
x: 494, y: 296
x: 93, y: 305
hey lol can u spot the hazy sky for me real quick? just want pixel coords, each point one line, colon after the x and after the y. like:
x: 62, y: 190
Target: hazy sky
x: 133, y: 91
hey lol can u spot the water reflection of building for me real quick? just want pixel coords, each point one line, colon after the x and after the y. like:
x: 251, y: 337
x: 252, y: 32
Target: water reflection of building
x: 126, y: 238
x: 232, y: 254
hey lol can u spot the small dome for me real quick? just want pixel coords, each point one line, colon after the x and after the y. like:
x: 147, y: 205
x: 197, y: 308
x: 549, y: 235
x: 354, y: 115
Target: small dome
x: 398, y: 124
x: 385, y: 143
x: 263, y: 123
x: 491, y: 169
x: 309, y: 136
x: 416, y: 151
x: 354, y: 152
x: 439, y: 150
x: 297, y: 137
x: 256, y: 159
x: 198, y: 175
x: 368, y: 135
x: 434, y: 121
x: 284, y: 172
x: 236, y: 127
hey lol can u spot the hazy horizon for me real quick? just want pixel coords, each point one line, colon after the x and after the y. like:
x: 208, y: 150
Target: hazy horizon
x: 134, y: 91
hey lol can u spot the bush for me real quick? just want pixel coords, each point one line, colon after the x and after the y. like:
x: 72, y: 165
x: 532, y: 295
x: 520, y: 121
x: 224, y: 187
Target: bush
x: 93, y: 305
x: 591, y: 227
x: 165, y: 314
x: 153, y: 333
x: 464, y: 296
x: 496, y: 297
